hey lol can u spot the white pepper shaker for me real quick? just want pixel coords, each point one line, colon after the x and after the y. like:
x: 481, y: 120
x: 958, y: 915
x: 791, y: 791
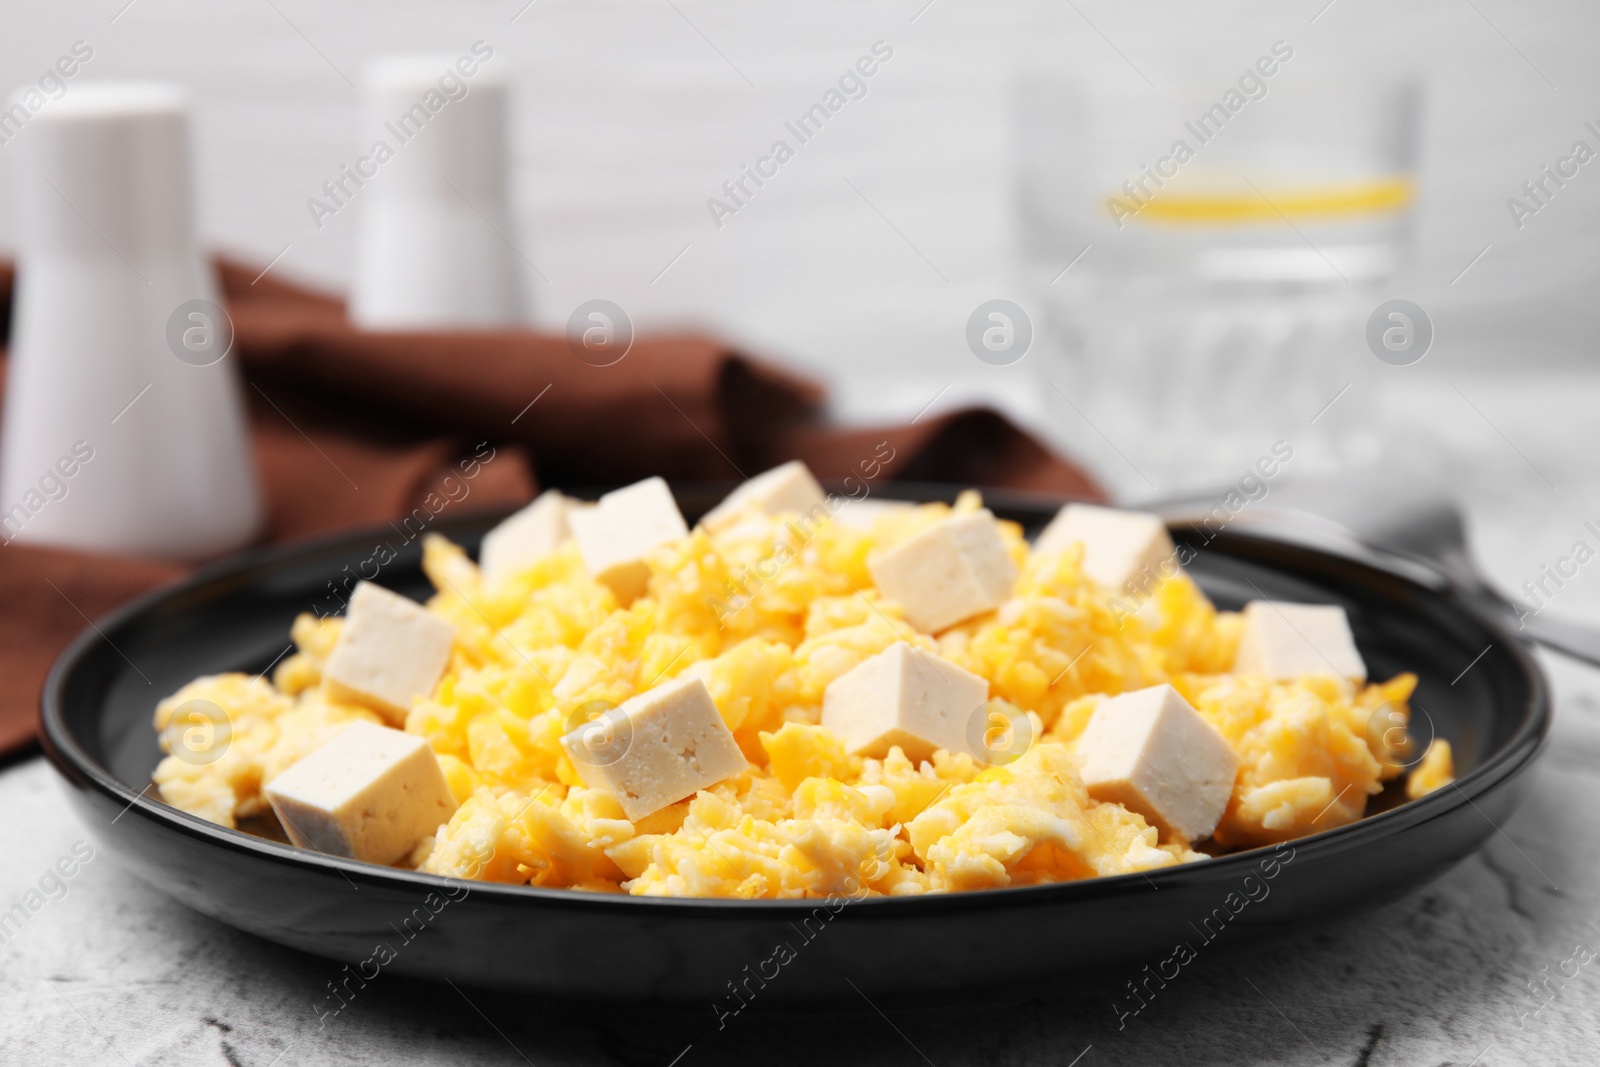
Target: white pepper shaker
x: 435, y: 246
x: 124, y: 417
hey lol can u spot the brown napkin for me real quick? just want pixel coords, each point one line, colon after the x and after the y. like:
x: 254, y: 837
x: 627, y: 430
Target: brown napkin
x: 351, y: 427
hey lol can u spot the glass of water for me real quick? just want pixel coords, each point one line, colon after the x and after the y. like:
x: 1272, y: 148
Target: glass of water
x: 1202, y: 263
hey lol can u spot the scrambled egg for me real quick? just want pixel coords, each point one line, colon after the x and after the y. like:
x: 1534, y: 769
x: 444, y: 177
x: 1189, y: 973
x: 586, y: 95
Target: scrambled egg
x: 767, y: 613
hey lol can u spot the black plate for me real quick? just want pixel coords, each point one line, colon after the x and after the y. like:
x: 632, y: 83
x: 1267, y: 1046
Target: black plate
x: 99, y: 698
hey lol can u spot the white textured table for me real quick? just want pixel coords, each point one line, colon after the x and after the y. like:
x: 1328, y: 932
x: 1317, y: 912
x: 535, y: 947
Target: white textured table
x: 114, y: 972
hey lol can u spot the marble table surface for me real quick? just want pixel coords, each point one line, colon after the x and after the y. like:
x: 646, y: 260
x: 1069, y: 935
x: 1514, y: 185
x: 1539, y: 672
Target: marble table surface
x: 114, y: 972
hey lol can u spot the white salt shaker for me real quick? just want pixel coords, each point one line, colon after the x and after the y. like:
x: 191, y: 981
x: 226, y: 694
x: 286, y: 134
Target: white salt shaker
x: 124, y: 417
x: 435, y: 247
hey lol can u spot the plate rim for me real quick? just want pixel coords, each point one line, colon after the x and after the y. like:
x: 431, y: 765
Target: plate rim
x: 74, y: 763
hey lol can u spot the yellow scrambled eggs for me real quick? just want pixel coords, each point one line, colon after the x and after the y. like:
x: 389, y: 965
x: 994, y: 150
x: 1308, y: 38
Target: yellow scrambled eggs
x: 767, y: 614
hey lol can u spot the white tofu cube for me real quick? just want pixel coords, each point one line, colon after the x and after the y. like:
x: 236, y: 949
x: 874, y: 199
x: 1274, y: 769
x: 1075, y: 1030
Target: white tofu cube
x: 790, y: 487
x: 390, y: 652
x: 664, y: 744
x: 525, y: 537
x: 1286, y: 641
x: 951, y: 571
x: 617, y: 534
x: 1124, y: 551
x: 371, y: 793
x: 1154, y: 754
x: 903, y: 696
x: 861, y: 514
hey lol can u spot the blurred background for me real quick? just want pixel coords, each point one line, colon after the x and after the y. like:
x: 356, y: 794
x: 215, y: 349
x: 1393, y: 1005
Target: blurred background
x: 863, y: 259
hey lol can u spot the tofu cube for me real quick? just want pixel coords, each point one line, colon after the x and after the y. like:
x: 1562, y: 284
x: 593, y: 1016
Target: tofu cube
x: 951, y: 571
x: 390, y: 652
x: 1286, y: 641
x: 664, y: 744
x: 618, y: 533
x: 370, y: 794
x: 790, y: 487
x: 1154, y: 754
x: 525, y: 538
x: 1124, y: 551
x: 906, y: 697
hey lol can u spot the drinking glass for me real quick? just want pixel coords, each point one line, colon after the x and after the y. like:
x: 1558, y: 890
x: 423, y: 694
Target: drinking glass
x: 1203, y: 262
